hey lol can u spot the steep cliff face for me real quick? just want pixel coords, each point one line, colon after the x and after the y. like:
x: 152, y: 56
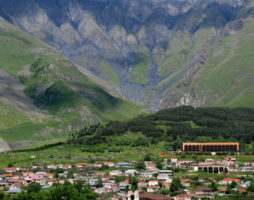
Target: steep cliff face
x: 147, y: 48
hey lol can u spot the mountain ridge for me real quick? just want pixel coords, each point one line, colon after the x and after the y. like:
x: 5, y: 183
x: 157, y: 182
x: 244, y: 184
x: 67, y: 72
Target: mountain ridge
x: 145, y: 48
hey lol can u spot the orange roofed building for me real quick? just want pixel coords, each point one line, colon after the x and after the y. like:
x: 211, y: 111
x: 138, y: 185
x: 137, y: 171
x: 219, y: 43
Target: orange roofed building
x: 210, y: 147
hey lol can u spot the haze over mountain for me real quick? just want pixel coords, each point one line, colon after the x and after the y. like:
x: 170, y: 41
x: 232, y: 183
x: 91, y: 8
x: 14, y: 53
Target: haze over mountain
x: 160, y: 53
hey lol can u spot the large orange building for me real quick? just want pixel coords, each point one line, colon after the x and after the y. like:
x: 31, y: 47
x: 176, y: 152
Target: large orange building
x: 211, y: 147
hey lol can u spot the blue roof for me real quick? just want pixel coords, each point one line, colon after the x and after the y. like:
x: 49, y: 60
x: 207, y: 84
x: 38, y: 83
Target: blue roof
x: 166, y: 171
x: 247, y: 183
x: 14, y: 190
x: 123, y: 163
x: 40, y: 173
x: 101, y: 188
x: 123, y: 185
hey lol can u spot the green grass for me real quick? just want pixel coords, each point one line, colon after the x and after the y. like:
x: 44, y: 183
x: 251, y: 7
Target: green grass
x: 10, y: 117
x: 175, y: 54
x: 227, y: 77
x: 15, y: 48
x: 66, y: 153
x: 141, y: 67
x: 110, y: 74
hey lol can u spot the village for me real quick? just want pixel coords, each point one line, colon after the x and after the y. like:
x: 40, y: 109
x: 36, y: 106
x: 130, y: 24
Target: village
x: 174, y: 178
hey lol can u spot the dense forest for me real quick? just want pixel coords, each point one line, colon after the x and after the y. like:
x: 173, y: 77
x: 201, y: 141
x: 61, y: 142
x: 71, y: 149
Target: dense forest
x: 174, y: 126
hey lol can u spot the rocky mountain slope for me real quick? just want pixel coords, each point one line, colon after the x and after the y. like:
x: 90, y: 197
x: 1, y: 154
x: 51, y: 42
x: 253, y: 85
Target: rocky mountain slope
x: 160, y: 53
x: 43, y: 96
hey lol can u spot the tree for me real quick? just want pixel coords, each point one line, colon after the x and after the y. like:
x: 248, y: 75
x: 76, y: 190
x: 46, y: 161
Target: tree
x: 251, y: 187
x: 176, y: 185
x: 159, y: 164
x: 233, y: 184
x: 213, y: 186
x: 70, y: 174
x: 140, y: 165
x: 100, y: 181
x: 147, y: 157
x: 134, y: 183
x: 10, y: 164
x: 33, y: 188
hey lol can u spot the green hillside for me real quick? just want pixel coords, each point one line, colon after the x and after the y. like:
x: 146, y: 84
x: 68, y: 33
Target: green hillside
x: 168, y: 129
x: 43, y: 96
x: 227, y: 77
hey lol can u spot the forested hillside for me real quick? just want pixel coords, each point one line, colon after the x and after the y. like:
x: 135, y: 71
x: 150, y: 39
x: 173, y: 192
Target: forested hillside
x: 173, y: 126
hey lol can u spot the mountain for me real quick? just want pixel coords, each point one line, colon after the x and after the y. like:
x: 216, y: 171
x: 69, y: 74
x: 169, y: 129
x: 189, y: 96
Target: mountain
x: 160, y: 53
x: 44, y: 96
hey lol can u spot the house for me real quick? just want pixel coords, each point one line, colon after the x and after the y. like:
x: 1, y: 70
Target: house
x: 249, y: 163
x: 98, y: 164
x: 153, y: 183
x: 25, y: 174
x: 109, y: 164
x: 164, y: 177
x: 131, y: 172
x: 16, y: 181
x: 227, y: 181
x: 173, y: 160
x: 212, y: 167
x: 146, y: 175
x: 241, y: 190
x: 51, y: 166
x: 60, y: 166
x: 222, y: 191
x: 67, y: 166
x: 123, y: 165
x: 4, y: 184
x: 81, y: 165
x: 142, y: 184
x: 49, y: 176
x: 123, y: 185
x: 108, y: 184
x: 163, y: 155
x: 61, y: 181
x: 204, y: 191
x: 183, y: 197
x: 14, y: 191
x: 246, y: 184
x: 100, y: 190
x: 36, y: 179
x: 186, y: 182
x: 150, y: 166
x: 93, y: 182
x: 165, y: 185
x: 116, y: 173
x: 166, y: 172
x: 7, y: 176
x: 247, y: 169
x: 232, y: 169
x: 152, y: 188
x: 10, y: 170
x: 40, y: 173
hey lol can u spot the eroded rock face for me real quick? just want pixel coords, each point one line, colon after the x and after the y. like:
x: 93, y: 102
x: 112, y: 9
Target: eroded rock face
x: 4, y: 146
x: 150, y: 45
